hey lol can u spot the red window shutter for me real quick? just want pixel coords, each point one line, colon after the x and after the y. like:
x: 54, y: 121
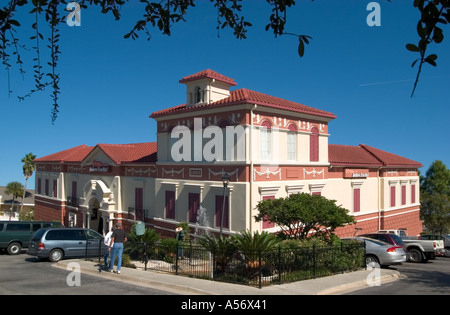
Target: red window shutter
x: 403, y: 195
x: 139, y: 203
x: 226, y: 214
x: 170, y: 204
x: 194, y: 204
x: 356, y: 200
x: 55, y: 188
x: 267, y: 224
x: 392, y: 196
x: 74, y: 189
x: 314, y: 145
x: 413, y: 193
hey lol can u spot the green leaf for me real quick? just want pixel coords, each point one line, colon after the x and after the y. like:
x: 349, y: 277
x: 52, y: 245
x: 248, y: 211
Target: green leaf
x: 301, y: 48
x: 412, y: 47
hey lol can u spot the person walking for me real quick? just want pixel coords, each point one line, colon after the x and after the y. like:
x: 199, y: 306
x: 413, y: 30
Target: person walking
x: 108, y: 244
x: 118, y: 238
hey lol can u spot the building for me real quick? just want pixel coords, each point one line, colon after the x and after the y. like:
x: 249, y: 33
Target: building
x: 261, y: 145
x: 10, y: 210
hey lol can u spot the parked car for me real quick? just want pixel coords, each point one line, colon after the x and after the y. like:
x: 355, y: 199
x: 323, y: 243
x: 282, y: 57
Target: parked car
x: 56, y: 243
x: 446, y: 239
x: 15, y: 235
x: 401, y: 232
x: 381, y: 253
x: 420, y: 250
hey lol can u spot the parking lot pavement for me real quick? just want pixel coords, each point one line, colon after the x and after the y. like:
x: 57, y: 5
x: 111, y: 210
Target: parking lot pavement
x: 337, y: 284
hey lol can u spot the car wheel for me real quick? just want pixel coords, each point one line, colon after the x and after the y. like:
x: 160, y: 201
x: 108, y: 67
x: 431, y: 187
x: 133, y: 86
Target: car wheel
x: 372, y: 261
x: 56, y: 255
x: 415, y: 255
x: 447, y: 252
x: 14, y: 248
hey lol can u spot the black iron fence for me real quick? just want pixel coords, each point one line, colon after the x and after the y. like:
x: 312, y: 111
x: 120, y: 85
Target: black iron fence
x: 255, y: 268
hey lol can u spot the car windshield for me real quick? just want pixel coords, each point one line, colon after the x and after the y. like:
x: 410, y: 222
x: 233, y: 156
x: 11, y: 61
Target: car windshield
x: 38, y: 235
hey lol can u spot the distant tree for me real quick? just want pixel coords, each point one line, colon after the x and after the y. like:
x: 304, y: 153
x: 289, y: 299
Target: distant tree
x: 28, y: 169
x: 163, y: 14
x: 16, y: 190
x: 435, y: 198
x: 300, y: 214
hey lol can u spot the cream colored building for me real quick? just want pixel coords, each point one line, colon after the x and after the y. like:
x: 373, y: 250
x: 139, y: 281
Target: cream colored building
x: 266, y: 146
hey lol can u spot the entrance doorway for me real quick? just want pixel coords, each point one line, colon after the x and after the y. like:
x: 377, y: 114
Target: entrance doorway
x: 95, y: 215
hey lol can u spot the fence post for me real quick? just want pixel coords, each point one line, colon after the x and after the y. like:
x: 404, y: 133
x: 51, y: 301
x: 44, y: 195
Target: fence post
x: 279, y: 264
x: 314, y: 260
x: 259, y: 269
x: 176, y: 259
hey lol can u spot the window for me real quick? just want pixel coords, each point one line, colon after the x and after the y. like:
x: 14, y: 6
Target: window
x: 292, y: 143
x: 46, y: 187
x: 170, y: 204
x: 314, y: 145
x: 356, y: 199
x: 198, y: 95
x: 265, y: 141
x: 392, y: 196
x: 267, y: 224
x: 194, y: 204
x: 39, y: 186
x: 226, y: 214
x: 413, y: 193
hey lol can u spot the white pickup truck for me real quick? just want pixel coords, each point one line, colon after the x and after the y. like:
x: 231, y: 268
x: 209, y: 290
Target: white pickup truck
x: 418, y: 250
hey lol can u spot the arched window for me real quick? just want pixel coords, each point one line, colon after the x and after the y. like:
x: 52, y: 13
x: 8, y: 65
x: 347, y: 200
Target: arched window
x: 314, y: 145
x: 265, y: 141
x: 292, y: 143
x: 198, y: 95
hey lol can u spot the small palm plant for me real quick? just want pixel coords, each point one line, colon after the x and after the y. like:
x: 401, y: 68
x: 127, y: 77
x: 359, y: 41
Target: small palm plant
x: 223, y: 249
x: 254, y: 246
x: 141, y: 245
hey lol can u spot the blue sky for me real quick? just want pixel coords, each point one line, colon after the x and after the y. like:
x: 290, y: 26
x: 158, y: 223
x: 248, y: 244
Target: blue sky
x: 110, y: 85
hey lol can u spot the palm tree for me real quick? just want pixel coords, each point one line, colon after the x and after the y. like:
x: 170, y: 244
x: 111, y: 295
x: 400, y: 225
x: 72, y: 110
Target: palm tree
x: 16, y: 190
x: 28, y: 169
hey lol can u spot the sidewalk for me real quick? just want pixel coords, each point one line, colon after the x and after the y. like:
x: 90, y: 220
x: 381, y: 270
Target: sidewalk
x: 337, y: 284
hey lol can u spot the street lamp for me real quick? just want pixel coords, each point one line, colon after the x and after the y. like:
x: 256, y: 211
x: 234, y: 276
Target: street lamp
x: 225, y: 181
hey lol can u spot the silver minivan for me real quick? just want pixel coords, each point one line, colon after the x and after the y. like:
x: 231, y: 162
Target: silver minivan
x: 58, y: 243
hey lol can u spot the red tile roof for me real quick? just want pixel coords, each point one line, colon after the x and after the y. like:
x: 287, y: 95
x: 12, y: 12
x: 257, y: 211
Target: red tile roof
x: 76, y: 154
x: 245, y: 96
x: 210, y: 74
x: 118, y: 153
x: 350, y: 155
x: 130, y: 153
x: 390, y: 159
x: 364, y: 155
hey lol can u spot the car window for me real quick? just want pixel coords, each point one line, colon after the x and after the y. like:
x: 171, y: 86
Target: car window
x: 92, y: 235
x: 19, y: 227
x: 1, y: 226
x: 397, y: 239
x: 376, y: 242
x: 65, y: 235
x: 36, y: 226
